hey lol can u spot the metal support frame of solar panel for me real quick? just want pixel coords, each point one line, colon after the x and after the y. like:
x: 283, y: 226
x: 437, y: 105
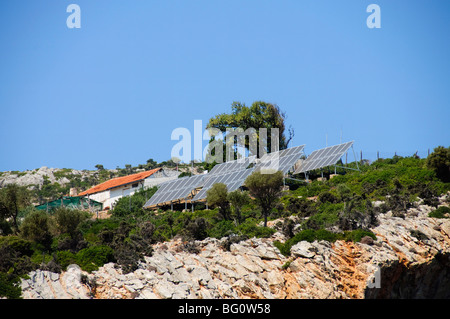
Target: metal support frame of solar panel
x: 231, y: 166
x: 282, y: 160
x: 175, y: 190
x: 233, y: 180
x: 324, y: 157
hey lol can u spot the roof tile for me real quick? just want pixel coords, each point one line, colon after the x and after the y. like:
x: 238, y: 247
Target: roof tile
x: 118, y: 181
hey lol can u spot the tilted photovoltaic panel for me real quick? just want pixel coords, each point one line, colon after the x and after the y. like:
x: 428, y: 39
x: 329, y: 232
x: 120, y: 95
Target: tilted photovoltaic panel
x: 233, y: 180
x: 282, y: 160
x: 175, y: 189
x: 324, y: 157
x: 230, y: 166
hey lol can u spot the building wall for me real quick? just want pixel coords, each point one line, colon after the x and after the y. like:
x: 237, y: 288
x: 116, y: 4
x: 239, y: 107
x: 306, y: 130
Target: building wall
x: 111, y: 196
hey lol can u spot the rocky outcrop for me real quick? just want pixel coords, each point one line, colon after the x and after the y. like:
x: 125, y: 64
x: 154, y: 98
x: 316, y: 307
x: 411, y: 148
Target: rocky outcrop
x: 36, y: 177
x: 410, y: 258
x: 49, y: 285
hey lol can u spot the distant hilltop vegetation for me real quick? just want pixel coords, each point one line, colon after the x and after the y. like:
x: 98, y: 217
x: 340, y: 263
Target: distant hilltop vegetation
x: 48, y: 183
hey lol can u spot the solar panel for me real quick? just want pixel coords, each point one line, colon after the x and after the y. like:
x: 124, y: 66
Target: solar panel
x: 233, y: 180
x: 230, y: 166
x: 175, y: 189
x: 324, y: 157
x: 282, y: 160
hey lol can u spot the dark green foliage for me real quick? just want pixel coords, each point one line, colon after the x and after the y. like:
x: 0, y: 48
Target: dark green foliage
x: 440, y: 212
x: 218, y: 196
x: 89, y: 259
x: 10, y: 286
x: 301, y: 207
x: 68, y: 220
x: 266, y: 189
x: 238, y: 199
x: 439, y: 161
x: 259, y: 115
x: 418, y: 234
x: 251, y: 229
x: 196, y: 229
x: 327, y: 197
x: 13, y: 199
x: 133, y: 205
x: 36, y: 228
x: 15, y: 254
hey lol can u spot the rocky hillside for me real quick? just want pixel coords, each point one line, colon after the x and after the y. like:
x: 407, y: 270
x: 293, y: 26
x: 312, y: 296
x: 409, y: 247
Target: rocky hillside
x: 36, y: 177
x: 409, y: 259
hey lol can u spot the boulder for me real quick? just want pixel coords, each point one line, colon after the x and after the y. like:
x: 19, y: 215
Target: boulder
x: 303, y: 249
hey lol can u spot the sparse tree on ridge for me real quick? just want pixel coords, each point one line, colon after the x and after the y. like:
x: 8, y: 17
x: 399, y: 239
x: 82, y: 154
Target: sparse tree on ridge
x: 266, y: 189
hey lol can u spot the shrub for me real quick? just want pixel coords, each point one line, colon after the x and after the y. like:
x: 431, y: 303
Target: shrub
x: 439, y: 161
x: 266, y: 189
x: 68, y: 220
x: 35, y: 227
x: 238, y: 199
x: 218, y: 196
x: 440, y: 212
x: 357, y: 234
x: 222, y: 229
x: 327, y: 197
x: 91, y: 258
x: 64, y: 258
x: 196, y: 229
x: 10, y: 286
x: 250, y: 228
x: 15, y: 254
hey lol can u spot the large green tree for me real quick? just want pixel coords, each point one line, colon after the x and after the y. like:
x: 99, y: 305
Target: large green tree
x: 266, y: 189
x: 259, y: 115
x: 218, y: 196
x: 13, y: 199
x: 439, y: 161
x: 238, y: 199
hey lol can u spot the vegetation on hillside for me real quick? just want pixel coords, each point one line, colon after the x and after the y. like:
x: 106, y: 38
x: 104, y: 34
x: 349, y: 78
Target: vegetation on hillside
x: 342, y: 208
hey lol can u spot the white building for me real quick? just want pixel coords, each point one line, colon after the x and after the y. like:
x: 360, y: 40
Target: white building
x: 110, y: 191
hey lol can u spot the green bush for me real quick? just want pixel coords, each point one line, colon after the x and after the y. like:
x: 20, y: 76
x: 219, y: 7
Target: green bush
x: 36, y: 228
x: 10, y: 286
x: 222, y: 229
x: 440, y: 212
x: 91, y: 258
x: 251, y: 229
x: 357, y: 234
x: 64, y: 258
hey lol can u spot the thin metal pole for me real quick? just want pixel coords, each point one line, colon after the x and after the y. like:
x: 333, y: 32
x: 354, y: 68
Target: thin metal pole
x: 355, y: 157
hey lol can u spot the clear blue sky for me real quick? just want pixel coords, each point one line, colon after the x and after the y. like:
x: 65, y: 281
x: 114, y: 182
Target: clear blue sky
x: 113, y: 91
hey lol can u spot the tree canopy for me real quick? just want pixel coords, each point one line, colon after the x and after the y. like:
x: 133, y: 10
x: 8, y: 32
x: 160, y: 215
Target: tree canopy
x: 266, y: 189
x: 259, y: 115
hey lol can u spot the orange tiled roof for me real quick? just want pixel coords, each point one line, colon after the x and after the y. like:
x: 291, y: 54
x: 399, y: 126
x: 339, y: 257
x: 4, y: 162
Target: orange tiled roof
x: 118, y: 181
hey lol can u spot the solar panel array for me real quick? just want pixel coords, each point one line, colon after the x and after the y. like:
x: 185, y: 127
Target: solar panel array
x: 234, y: 173
x: 233, y: 180
x: 175, y: 190
x: 324, y: 157
x: 282, y: 160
